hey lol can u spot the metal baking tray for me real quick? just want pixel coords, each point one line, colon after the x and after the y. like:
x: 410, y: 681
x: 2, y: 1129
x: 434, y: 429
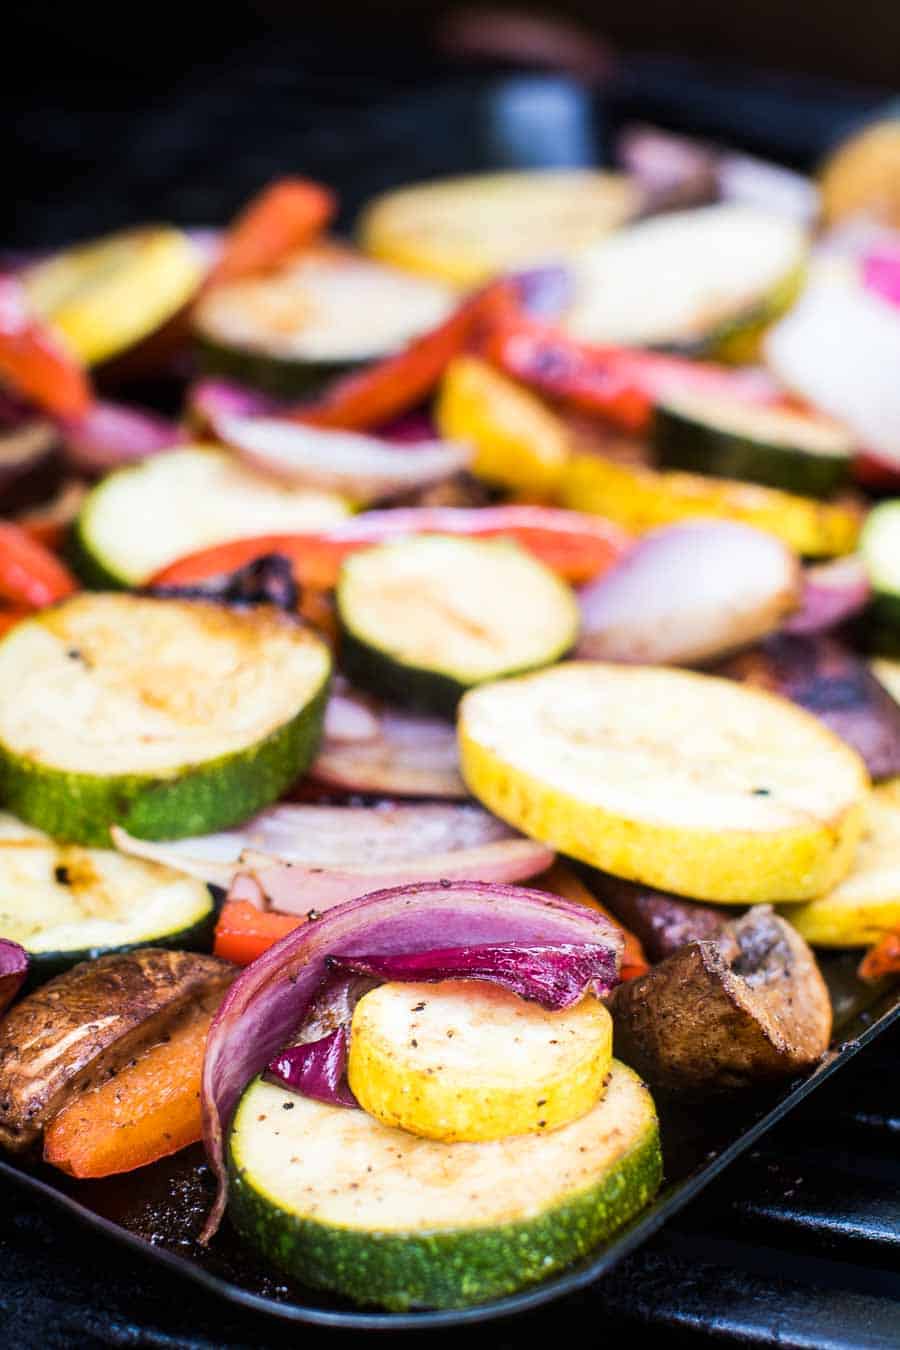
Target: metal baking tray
x: 158, y: 1210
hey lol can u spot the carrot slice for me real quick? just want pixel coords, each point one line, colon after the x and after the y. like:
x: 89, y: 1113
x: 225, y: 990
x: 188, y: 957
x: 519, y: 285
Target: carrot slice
x: 561, y: 880
x: 30, y: 575
x: 33, y: 360
x: 285, y: 216
x: 882, y: 959
x: 244, y: 932
x: 148, y: 1110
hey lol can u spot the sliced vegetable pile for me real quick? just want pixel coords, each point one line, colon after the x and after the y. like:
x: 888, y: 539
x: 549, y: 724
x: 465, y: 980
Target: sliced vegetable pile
x: 480, y: 542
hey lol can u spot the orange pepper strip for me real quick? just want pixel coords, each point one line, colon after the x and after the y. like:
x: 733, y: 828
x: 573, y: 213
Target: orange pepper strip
x: 882, y: 959
x: 575, y: 545
x: 33, y: 360
x: 30, y: 575
x: 561, y: 880
x: 10, y: 617
x: 149, y: 1109
x: 391, y: 387
x: 244, y: 932
x: 285, y: 216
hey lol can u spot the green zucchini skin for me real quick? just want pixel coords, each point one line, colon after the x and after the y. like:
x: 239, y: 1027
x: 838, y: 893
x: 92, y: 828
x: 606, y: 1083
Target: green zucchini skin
x: 451, y: 1269
x: 276, y: 375
x: 198, y: 937
x: 736, y: 340
x: 86, y: 565
x: 699, y: 447
x: 79, y: 808
x: 422, y: 691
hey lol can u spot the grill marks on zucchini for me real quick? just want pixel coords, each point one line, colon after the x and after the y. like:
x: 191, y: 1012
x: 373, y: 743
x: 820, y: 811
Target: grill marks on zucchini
x: 799, y: 452
x: 682, y: 781
x: 424, y: 619
x: 168, y: 717
x: 342, y: 1201
x: 65, y: 904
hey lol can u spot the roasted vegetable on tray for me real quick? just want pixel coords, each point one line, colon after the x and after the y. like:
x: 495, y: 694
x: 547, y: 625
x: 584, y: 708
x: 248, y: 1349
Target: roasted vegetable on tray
x: 468, y: 703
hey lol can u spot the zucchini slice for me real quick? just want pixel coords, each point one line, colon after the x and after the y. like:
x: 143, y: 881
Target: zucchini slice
x: 341, y: 1201
x: 139, y: 519
x: 640, y: 499
x: 682, y: 781
x: 708, y: 281
x: 462, y: 1060
x: 887, y: 673
x: 465, y: 230
x: 167, y: 717
x: 800, y: 452
x: 880, y: 548
x: 866, y: 904
x: 426, y: 618
x: 323, y: 313
x: 106, y: 295
x: 66, y: 904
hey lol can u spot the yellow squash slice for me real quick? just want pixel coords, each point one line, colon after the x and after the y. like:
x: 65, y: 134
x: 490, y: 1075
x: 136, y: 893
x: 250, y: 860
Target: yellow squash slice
x: 467, y: 1061
x: 519, y: 443
x: 682, y: 781
x: 641, y: 499
x: 106, y: 295
x: 465, y: 230
x: 866, y: 905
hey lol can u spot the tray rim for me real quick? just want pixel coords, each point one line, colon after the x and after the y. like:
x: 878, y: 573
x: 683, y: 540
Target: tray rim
x: 587, y: 1272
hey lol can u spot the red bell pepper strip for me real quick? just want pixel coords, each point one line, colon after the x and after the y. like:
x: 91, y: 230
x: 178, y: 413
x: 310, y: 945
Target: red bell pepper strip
x: 575, y: 545
x: 561, y: 880
x: 882, y: 959
x: 244, y: 932
x: 286, y: 215
x: 10, y: 617
x: 30, y: 575
x: 34, y: 361
x: 619, y: 384
x: 385, y: 390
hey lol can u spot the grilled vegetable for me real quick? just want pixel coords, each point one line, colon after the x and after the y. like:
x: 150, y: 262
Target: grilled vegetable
x: 424, y: 619
x: 640, y: 499
x: 833, y: 592
x: 78, y: 1030
x: 799, y: 451
x: 723, y: 1014
x: 677, y: 780
x: 860, y: 176
x: 147, y: 1110
x: 288, y: 214
x: 13, y: 969
x: 887, y: 673
x: 519, y: 443
x: 30, y: 463
x: 112, y: 434
x: 880, y: 549
x: 244, y: 932
x: 688, y: 593
x: 143, y: 517
x: 106, y: 295
x: 560, y: 879
x: 168, y: 717
x: 466, y: 230
x: 33, y: 360
x: 866, y: 904
x: 30, y: 575
x: 324, y: 311
x: 711, y: 279
x: 345, y: 1202
x: 65, y: 904
x: 460, y: 1060
x: 833, y: 683
x: 662, y: 923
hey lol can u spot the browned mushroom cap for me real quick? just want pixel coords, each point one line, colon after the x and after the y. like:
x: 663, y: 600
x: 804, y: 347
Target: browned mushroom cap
x: 660, y: 921
x: 748, y: 1006
x: 83, y: 1026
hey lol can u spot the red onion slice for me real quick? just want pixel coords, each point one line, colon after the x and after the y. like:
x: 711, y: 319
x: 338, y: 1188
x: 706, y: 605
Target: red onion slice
x: 555, y: 976
x: 371, y: 747
x: 112, y: 434
x: 689, y: 593
x: 316, y: 1069
x: 210, y: 399
x: 364, y: 467
x: 314, y: 857
x: 270, y: 999
x: 13, y: 969
x: 832, y: 593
